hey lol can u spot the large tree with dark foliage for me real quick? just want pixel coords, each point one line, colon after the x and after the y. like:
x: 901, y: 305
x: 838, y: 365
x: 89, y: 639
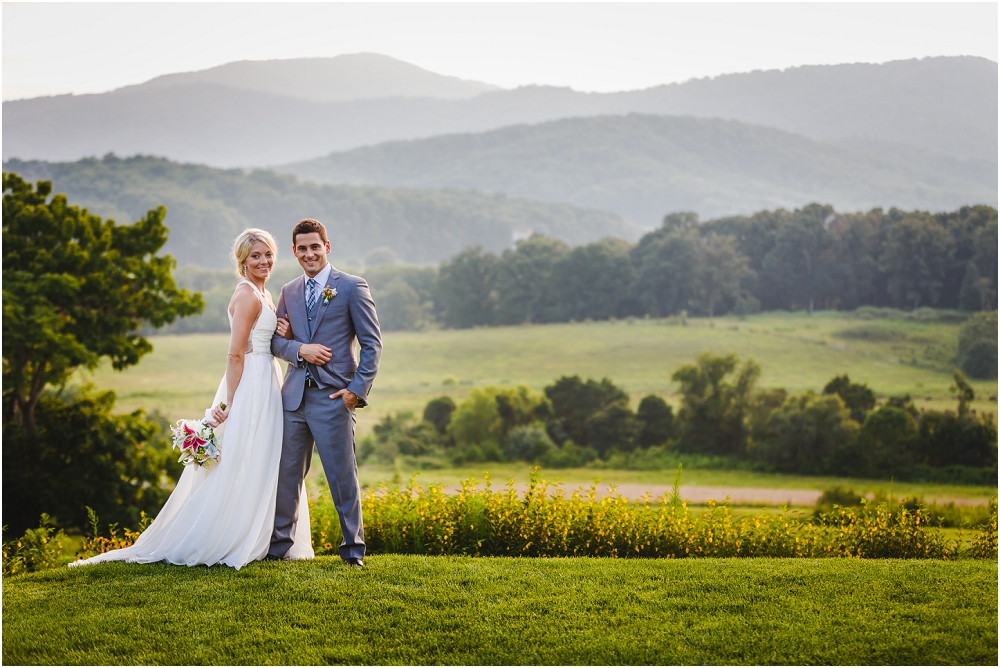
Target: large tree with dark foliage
x: 76, y: 290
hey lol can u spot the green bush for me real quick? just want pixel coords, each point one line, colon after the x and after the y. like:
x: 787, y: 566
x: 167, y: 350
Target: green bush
x: 84, y: 455
x: 400, y: 434
x: 568, y: 455
x: 809, y: 434
x: 977, y: 346
x: 527, y: 443
x: 490, y: 413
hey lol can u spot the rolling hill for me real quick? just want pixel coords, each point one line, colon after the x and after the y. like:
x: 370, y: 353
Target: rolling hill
x: 274, y: 112
x: 207, y: 208
x: 643, y: 166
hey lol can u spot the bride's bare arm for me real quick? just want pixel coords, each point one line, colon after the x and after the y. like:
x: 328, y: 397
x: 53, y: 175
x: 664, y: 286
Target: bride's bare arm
x: 245, y: 308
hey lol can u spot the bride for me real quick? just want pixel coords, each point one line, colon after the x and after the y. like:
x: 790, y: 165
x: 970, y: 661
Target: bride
x: 225, y: 515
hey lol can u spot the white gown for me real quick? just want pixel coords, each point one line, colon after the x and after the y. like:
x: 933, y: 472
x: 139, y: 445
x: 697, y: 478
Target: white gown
x: 226, y: 515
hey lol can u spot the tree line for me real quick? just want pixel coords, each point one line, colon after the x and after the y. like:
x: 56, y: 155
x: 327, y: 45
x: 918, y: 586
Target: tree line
x: 806, y: 259
x: 723, y: 415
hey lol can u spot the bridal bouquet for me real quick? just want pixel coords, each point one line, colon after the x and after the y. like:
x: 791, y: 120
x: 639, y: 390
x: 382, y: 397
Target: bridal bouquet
x: 197, y: 443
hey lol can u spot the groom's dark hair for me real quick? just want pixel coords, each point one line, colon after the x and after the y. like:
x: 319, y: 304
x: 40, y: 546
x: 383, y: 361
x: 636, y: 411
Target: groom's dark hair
x: 308, y: 226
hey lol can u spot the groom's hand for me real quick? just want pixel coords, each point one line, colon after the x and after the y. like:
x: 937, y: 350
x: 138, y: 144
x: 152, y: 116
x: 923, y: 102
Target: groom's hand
x: 315, y: 353
x: 350, y: 399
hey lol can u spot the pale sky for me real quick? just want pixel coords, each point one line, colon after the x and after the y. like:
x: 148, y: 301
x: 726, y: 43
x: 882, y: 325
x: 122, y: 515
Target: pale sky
x: 53, y: 48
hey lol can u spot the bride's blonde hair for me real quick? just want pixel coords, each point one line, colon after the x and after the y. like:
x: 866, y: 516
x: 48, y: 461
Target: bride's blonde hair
x: 243, y: 244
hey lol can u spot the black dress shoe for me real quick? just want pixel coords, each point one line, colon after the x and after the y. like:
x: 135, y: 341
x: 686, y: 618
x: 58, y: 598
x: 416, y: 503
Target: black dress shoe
x: 354, y: 562
x: 272, y: 557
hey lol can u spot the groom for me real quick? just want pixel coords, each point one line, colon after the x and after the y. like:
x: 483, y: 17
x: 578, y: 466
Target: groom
x: 320, y: 315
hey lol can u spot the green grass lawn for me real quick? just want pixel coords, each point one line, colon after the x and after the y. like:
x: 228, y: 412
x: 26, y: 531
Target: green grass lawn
x: 440, y: 610
x: 796, y: 351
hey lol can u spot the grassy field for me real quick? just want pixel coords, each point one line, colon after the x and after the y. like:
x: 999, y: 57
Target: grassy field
x: 796, y: 351
x: 372, y: 474
x: 438, y: 610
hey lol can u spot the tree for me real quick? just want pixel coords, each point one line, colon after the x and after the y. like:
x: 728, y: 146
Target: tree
x: 914, y: 257
x: 799, y: 265
x: 714, y: 409
x: 665, y: 265
x: 887, y: 441
x: 438, y: 412
x: 970, y: 296
x: 590, y: 413
x: 858, y: 397
x: 462, y: 293
x: 807, y: 434
x: 591, y: 281
x: 77, y: 289
x: 656, y: 420
x: 719, y: 273
x: 399, y: 307
x: 977, y: 346
x: 522, y: 279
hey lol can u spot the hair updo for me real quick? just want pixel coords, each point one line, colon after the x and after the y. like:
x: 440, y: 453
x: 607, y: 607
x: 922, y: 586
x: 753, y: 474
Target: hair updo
x: 243, y: 244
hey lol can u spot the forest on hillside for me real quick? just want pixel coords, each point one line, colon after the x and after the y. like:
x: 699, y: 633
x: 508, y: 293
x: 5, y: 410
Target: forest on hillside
x: 642, y: 166
x: 207, y: 208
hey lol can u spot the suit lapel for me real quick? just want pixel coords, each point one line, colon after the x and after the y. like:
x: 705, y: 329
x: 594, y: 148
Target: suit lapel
x: 296, y: 305
x: 321, y: 308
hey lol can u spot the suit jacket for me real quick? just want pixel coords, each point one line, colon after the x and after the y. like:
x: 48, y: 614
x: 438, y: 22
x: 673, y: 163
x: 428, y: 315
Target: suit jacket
x: 349, y: 316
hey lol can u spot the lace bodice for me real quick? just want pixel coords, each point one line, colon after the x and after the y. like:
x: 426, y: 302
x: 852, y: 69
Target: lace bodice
x: 260, y: 336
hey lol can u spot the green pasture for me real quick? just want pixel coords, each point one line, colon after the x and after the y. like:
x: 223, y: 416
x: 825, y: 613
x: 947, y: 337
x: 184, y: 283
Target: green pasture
x: 372, y: 474
x: 796, y: 351
x: 444, y: 610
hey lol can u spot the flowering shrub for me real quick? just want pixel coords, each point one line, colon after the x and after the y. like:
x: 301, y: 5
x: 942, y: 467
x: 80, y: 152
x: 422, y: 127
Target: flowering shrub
x: 545, y: 522
x: 984, y: 545
x: 36, y: 550
x: 98, y: 544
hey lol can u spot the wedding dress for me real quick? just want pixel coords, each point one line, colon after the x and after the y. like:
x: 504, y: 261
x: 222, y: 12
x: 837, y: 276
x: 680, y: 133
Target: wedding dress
x: 225, y: 515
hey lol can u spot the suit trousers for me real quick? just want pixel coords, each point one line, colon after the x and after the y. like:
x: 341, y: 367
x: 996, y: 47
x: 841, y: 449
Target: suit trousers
x: 330, y: 425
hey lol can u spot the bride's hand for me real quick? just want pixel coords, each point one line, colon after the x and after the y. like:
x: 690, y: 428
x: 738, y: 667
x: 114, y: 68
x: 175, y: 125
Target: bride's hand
x: 219, y: 415
x: 284, y: 328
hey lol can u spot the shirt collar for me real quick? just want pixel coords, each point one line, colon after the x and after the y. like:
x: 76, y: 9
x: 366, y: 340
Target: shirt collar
x: 323, y: 276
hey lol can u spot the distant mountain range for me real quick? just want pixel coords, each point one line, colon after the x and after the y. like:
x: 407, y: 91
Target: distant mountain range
x: 358, y: 76
x: 643, y: 167
x: 272, y: 112
x: 207, y: 208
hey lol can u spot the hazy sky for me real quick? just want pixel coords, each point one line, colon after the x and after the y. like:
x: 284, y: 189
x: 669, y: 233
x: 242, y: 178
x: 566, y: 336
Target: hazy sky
x: 51, y: 48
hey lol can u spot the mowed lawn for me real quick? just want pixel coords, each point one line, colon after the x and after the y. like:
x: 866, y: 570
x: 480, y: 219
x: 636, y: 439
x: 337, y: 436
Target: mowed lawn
x: 796, y: 351
x: 444, y: 610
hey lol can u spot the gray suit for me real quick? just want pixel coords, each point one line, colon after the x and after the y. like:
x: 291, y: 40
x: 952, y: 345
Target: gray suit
x: 310, y: 415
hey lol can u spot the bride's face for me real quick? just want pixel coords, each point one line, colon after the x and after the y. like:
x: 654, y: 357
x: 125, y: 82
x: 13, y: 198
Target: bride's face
x: 260, y: 261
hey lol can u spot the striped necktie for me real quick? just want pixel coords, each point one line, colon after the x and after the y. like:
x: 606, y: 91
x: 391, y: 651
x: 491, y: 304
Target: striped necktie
x: 311, y: 296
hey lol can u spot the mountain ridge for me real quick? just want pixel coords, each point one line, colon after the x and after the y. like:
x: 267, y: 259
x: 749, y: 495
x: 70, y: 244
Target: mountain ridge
x: 947, y: 105
x: 643, y: 166
x: 343, y: 78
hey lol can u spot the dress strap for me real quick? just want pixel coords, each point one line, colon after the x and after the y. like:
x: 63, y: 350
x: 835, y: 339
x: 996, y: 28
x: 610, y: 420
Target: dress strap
x: 252, y: 287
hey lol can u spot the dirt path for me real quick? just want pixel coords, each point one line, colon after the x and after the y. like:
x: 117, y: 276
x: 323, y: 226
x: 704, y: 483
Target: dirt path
x: 763, y: 496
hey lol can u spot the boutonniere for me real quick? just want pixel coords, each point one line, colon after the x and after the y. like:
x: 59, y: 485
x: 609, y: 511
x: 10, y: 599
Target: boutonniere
x: 328, y: 294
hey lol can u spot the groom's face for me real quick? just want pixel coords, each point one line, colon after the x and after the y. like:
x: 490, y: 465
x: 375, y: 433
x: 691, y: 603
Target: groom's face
x: 311, y: 251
